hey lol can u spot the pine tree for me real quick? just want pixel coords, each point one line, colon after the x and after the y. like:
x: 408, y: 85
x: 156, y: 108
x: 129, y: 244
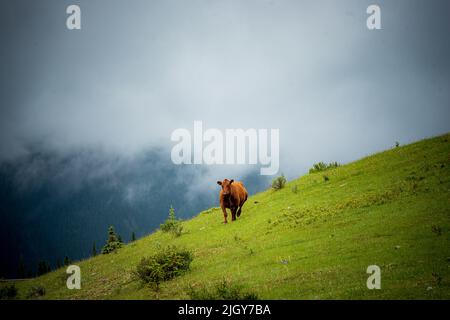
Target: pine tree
x: 172, y: 214
x: 119, y: 238
x: 112, y: 237
x: 133, y: 237
x: 172, y: 224
x: 66, y: 261
x: 21, y: 273
x: 94, y: 250
x: 113, y: 242
x: 43, y: 268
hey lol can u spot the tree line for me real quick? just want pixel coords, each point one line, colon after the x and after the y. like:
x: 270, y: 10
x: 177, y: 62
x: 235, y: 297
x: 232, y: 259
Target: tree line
x: 114, y: 241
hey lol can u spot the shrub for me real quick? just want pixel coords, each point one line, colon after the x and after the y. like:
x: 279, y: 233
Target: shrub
x: 279, y: 182
x: 437, y: 278
x: 113, y: 243
x: 36, y: 292
x: 317, y: 167
x: 436, y: 229
x: 163, y: 265
x: 294, y: 189
x: 222, y: 291
x: 8, y: 292
x: 322, y: 166
x: 325, y: 178
x: 178, y: 230
x: 172, y: 224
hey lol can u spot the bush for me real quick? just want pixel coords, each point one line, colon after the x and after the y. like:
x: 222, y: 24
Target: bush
x: 36, y: 292
x: 437, y: 278
x: 172, y: 224
x: 279, y: 182
x: 322, y: 166
x: 113, y: 243
x: 436, y: 229
x: 8, y: 292
x: 222, y: 291
x: 178, y: 230
x: 325, y: 178
x: 163, y: 265
x: 294, y: 189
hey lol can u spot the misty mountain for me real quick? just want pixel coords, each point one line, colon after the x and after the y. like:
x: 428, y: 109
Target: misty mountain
x: 55, y: 204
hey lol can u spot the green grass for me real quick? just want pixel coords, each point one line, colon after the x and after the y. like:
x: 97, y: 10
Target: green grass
x: 316, y: 243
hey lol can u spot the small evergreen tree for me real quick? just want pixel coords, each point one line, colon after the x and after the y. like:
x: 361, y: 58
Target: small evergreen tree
x: 58, y: 263
x: 119, y: 238
x: 94, y: 250
x: 133, y: 237
x: 21, y: 273
x: 40, y: 270
x: 113, y: 243
x: 172, y: 214
x: 43, y: 268
x: 112, y: 236
x: 172, y: 224
x: 67, y: 261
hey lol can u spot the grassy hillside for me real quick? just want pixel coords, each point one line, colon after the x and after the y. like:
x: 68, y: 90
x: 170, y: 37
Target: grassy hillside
x: 391, y: 209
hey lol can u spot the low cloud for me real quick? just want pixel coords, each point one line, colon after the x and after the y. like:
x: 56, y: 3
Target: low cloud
x: 335, y: 90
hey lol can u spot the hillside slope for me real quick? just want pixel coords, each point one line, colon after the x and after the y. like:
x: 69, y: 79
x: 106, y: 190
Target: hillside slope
x: 391, y: 209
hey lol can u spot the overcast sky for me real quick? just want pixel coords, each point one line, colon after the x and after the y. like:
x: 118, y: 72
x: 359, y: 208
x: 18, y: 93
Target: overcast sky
x: 137, y: 70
